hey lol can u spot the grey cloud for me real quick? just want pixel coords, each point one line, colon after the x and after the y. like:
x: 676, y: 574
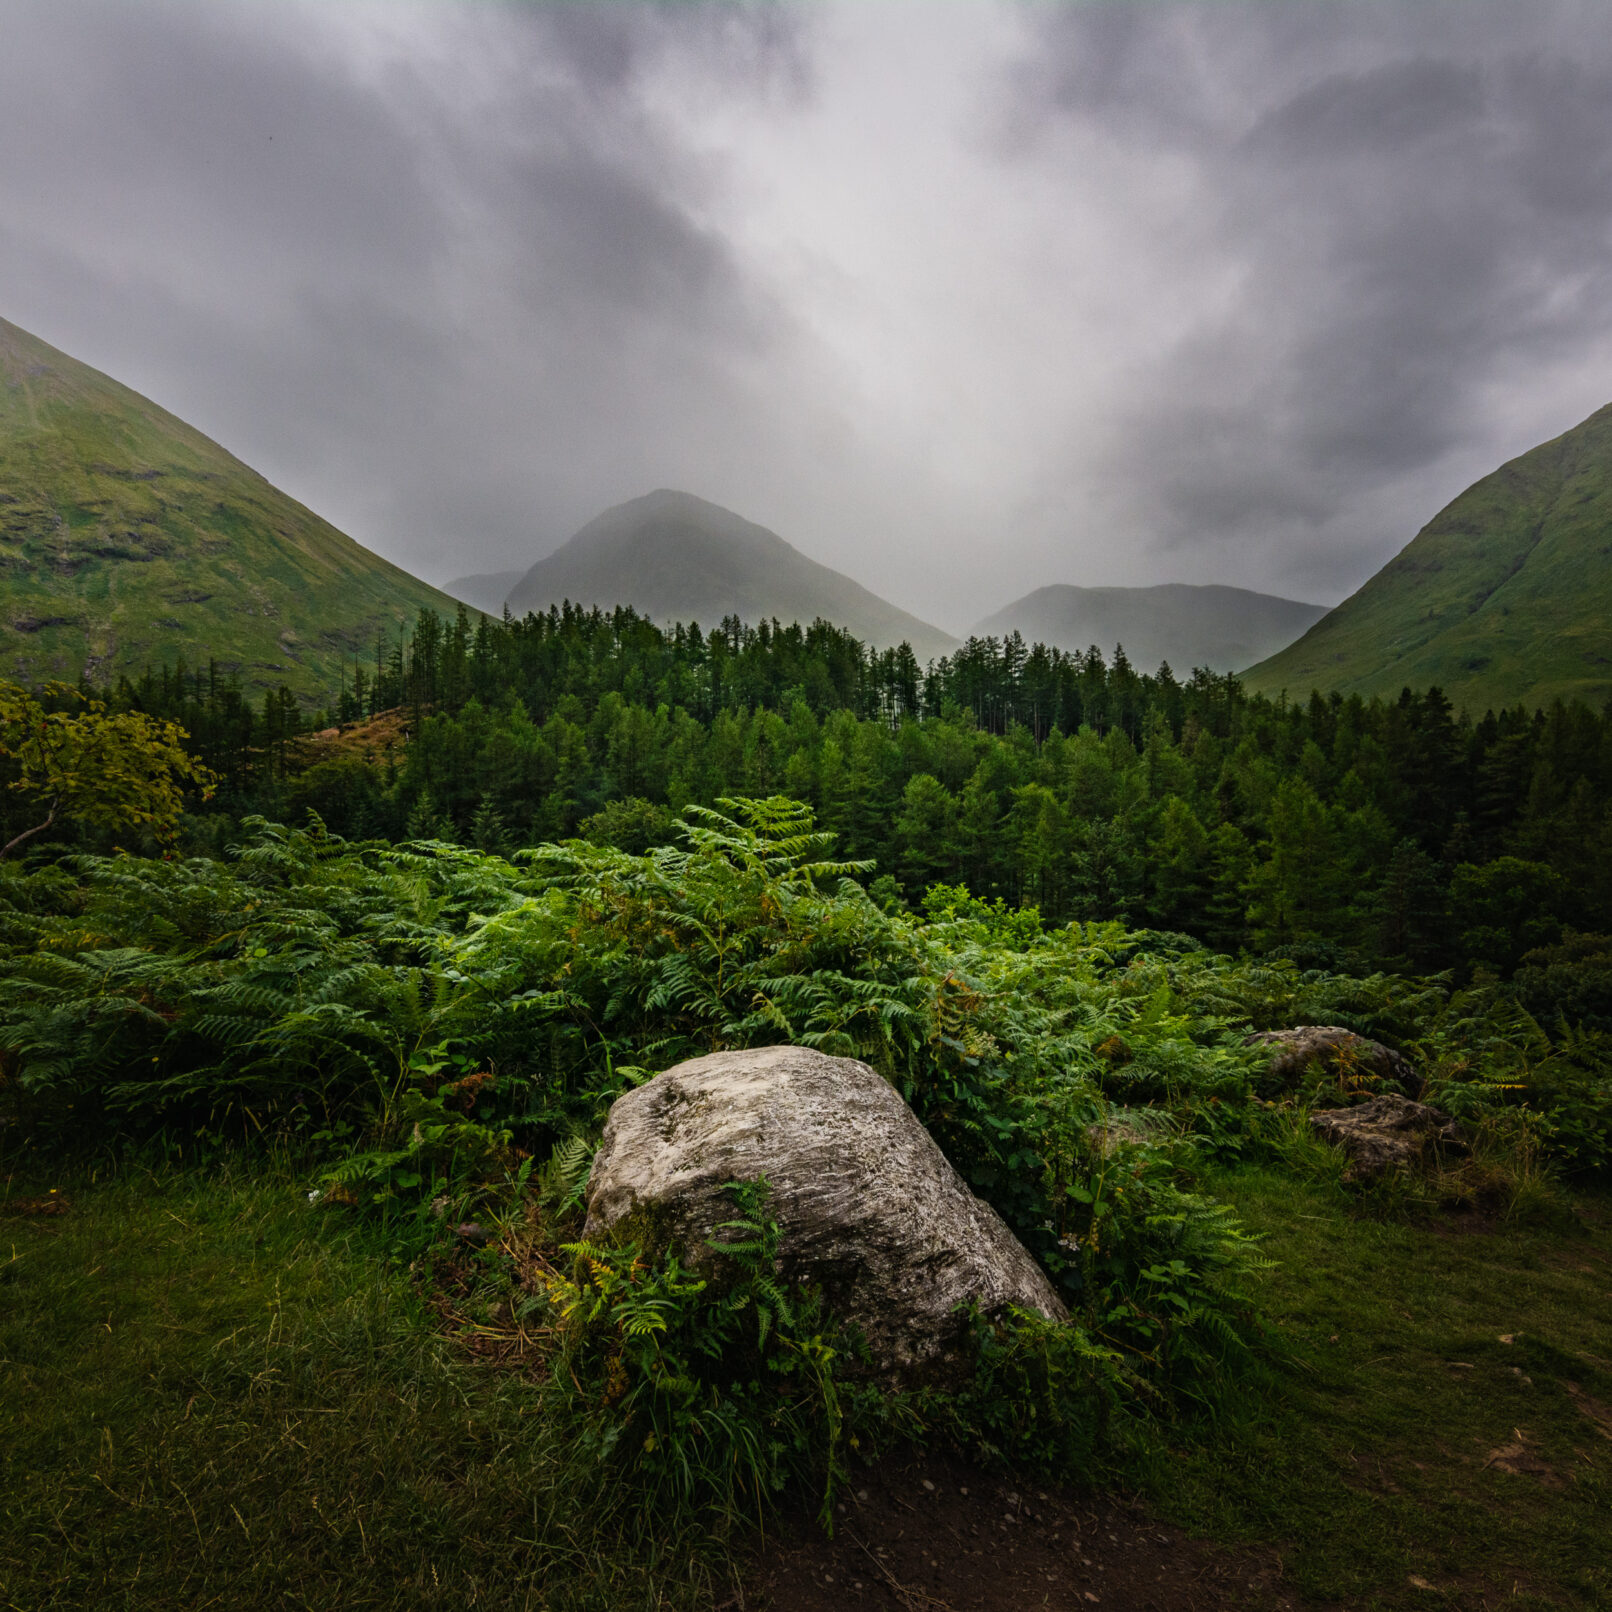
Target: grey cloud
x: 459, y: 294
x: 460, y: 275
x: 1384, y: 111
x: 1416, y: 203
x: 761, y: 47
x: 161, y: 117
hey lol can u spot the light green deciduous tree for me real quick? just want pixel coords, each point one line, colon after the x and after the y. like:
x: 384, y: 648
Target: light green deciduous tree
x: 108, y: 771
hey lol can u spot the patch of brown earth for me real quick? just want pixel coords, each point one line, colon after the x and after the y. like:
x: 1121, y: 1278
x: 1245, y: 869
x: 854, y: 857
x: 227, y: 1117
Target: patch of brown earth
x: 1519, y: 1458
x: 369, y: 740
x: 922, y: 1532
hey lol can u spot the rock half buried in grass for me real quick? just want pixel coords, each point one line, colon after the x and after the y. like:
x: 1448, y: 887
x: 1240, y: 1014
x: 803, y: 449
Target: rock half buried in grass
x: 1339, y: 1053
x: 868, y: 1206
x: 1385, y: 1133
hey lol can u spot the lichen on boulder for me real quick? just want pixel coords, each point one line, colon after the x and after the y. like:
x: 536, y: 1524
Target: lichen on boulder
x: 1386, y: 1133
x: 869, y: 1208
x: 1340, y: 1054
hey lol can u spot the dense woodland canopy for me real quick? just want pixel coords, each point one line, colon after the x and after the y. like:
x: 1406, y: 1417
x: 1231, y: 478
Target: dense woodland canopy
x: 1348, y: 832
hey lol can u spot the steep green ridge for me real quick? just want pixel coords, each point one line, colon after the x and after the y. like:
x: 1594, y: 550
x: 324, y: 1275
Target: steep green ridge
x: 127, y: 539
x: 675, y: 557
x: 1218, y: 627
x: 1504, y: 596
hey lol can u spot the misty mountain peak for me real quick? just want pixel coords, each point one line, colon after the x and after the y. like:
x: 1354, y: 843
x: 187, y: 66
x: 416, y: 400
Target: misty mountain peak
x: 678, y: 557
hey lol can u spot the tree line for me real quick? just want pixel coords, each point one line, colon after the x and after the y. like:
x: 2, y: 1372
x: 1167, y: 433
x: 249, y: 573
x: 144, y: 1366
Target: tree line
x: 1358, y: 832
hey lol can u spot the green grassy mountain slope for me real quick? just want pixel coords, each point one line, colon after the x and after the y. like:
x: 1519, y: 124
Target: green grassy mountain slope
x: 1505, y: 595
x: 1221, y: 628
x: 127, y: 539
x: 675, y: 557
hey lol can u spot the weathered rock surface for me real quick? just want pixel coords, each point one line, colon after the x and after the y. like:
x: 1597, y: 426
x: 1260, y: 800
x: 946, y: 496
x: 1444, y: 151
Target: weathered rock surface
x: 1340, y: 1053
x: 1386, y: 1132
x: 868, y: 1206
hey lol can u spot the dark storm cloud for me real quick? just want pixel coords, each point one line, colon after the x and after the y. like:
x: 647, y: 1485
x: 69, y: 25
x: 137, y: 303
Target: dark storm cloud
x: 429, y: 266
x: 1411, y: 205
x: 1223, y: 292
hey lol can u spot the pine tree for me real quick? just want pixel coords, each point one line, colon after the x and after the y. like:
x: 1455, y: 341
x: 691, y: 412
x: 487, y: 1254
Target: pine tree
x: 1300, y: 888
x: 424, y: 823
x: 1181, y: 869
x: 1225, y: 925
x: 1106, y: 880
x: 979, y: 830
x: 487, y: 830
x: 1409, y: 908
x: 928, y: 834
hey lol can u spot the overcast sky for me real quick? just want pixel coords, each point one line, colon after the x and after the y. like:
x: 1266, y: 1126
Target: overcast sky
x: 959, y: 298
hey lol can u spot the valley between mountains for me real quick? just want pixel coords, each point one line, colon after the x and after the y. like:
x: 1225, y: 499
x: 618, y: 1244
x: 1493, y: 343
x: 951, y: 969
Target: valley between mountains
x: 130, y: 541
x: 659, y: 1079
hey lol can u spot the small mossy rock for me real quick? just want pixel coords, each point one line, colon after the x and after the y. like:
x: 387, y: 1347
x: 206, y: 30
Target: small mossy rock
x: 1385, y: 1133
x: 868, y: 1207
x: 1341, y: 1054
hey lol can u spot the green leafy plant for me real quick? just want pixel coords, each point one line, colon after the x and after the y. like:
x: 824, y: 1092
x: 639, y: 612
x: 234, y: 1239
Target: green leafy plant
x: 112, y: 771
x: 715, y: 1393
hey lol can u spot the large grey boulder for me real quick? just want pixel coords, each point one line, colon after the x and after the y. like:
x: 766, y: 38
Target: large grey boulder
x: 868, y: 1206
x: 1339, y: 1053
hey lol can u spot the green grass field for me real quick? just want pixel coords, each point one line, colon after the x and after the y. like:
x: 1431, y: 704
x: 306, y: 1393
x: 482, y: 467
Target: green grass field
x: 1407, y: 1441
x: 214, y: 1395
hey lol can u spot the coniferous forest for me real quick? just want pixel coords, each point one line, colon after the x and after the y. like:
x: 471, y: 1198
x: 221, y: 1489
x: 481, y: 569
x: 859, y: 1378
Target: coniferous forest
x: 1347, y: 833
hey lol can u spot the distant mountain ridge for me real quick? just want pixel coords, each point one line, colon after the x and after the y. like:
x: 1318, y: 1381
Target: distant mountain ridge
x: 1504, y: 596
x: 128, y: 539
x: 1176, y: 622
x: 485, y: 590
x: 675, y: 557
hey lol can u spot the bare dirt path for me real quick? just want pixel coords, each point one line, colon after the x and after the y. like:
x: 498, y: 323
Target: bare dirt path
x: 925, y: 1533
